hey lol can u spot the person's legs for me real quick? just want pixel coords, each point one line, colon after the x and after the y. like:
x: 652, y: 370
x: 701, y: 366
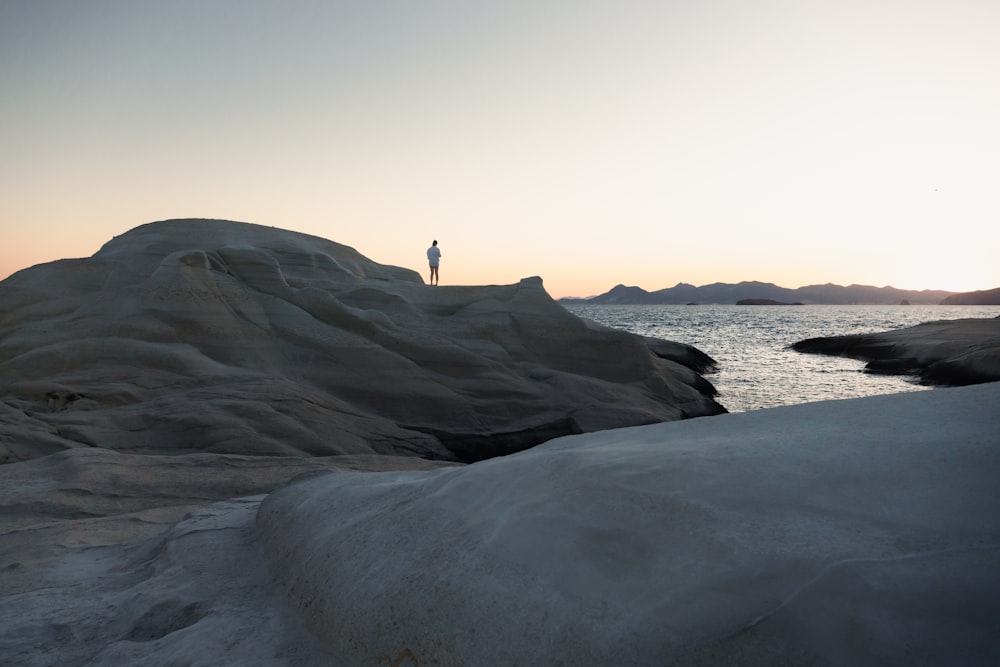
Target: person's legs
x: 434, y: 275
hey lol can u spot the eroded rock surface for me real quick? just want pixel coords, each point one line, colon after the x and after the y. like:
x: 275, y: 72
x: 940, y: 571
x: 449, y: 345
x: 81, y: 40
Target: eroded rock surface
x: 858, y: 532
x: 945, y: 352
x: 226, y: 337
x: 121, y: 559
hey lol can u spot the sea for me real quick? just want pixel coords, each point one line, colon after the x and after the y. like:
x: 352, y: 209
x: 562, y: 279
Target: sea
x: 751, y: 345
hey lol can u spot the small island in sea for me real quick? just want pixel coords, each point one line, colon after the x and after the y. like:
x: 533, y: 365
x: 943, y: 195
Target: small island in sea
x: 766, y: 302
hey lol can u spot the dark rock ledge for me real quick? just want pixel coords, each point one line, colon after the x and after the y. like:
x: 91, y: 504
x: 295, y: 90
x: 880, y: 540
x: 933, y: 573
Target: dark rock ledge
x: 945, y: 352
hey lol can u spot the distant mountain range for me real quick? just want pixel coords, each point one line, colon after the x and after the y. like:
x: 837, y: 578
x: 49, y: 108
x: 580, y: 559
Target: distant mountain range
x: 757, y: 293
x: 987, y: 297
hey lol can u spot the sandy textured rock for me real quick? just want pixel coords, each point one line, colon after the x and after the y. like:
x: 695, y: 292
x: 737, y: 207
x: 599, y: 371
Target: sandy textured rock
x: 197, y: 594
x: 226, y: 337
x: 111, y: 559
x: 859, y: 532
x: 946, y: 352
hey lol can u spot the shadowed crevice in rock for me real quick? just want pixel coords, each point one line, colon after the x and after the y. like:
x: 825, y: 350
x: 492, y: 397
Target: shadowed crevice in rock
x: 472, y: 447
x: 164, y: 618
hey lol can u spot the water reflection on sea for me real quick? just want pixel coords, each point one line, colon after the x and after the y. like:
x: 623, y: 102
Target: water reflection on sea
x: 756, y: 367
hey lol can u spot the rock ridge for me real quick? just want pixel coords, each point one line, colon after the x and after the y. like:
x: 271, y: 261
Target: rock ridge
x: 232, y: 338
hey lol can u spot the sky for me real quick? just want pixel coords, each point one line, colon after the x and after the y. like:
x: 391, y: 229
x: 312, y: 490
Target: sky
x: 591, y: 143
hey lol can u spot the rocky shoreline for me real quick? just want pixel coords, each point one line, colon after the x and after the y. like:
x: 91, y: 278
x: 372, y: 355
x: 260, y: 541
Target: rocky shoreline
x: 946, y: 352
x: 232, y: 445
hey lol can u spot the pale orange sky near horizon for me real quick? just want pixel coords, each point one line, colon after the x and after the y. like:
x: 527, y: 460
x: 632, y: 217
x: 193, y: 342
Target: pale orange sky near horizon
x: 589, y: 142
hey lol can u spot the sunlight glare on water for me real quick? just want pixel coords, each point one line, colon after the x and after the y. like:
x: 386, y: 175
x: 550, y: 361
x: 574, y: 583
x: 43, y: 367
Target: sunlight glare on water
x: 757, y: 369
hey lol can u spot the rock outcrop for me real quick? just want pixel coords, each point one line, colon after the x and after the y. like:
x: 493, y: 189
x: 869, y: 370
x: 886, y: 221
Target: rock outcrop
x: 945, y: 352
x: 230, y: 338
x: 152, y: 394
x: 857, y: 532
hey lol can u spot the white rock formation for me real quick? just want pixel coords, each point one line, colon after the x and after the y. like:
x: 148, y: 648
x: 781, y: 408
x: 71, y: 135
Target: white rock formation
x: 226, y: 337
x: 858, y: 532
x: 152, y: 395
x: 149, y: 395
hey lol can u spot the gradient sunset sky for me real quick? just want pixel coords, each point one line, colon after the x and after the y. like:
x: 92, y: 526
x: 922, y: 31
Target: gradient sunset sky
x: 589, y: 143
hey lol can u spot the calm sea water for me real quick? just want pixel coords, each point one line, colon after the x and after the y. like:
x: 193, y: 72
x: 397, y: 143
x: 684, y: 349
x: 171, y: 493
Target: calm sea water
x: 751, y: 345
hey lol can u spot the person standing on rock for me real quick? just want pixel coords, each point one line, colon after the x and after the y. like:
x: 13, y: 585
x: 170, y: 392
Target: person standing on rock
x: 434, y: 257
